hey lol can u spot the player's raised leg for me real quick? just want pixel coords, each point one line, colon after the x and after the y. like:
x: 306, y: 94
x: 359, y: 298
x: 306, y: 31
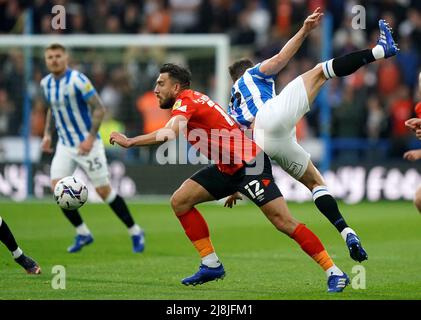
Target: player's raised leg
x: 119, y: 206
x: 313, y: 81
x: 348, y: 64
x: 183, y: 201
x: 9, y: 241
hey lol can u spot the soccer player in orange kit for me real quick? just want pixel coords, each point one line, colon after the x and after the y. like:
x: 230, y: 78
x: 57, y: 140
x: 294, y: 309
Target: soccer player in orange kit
x: 216, y: 135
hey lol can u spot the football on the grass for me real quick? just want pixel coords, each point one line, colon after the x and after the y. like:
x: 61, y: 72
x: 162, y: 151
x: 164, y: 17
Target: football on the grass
x: 70, y: 193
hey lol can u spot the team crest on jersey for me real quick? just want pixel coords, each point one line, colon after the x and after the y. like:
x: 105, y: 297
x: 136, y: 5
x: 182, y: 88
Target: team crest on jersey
x: 178, y: 106
x: 88, y: 87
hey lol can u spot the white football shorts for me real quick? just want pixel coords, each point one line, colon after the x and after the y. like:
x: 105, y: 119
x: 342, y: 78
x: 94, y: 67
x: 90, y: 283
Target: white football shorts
x: 274, y: 128
x: 66, y: 159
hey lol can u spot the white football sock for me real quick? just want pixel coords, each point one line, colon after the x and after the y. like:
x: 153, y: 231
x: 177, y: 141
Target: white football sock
x: 211, y: 260
x: 334, y: 270
x: 83, y: 230
x: 378, y: 52
x: 134, y: 230
x: 319, y: 191
x: 327, y: 68
x: 17, y: 253
x: 345, y: 232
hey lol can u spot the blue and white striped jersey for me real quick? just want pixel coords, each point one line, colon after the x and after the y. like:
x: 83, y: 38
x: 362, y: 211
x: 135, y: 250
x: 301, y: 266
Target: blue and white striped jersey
x: 67, y: 98
x: 248, y: 95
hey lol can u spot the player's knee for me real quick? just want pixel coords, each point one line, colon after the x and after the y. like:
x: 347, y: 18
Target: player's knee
x: 312, y: 178
x: 103, y: 192
x: 318, y: 71
x: 53, y: 183
x: 179, y: 204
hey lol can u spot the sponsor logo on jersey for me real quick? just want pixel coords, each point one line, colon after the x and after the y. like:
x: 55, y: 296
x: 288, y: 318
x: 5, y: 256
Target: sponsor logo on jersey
x: 179, y: 107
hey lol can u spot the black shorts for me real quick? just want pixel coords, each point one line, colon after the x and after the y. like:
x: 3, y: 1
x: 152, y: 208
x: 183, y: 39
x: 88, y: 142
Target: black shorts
x: 259, y: 188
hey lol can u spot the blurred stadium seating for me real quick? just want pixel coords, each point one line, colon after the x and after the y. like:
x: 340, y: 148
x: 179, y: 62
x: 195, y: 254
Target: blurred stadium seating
x: 368, y: 108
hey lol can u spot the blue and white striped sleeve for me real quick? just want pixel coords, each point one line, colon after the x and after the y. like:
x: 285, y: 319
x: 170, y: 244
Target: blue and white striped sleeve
x: 85, y: 86
x: 255, y: 71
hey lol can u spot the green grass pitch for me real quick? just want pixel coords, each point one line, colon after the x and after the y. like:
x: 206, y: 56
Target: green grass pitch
x: 260, y: 262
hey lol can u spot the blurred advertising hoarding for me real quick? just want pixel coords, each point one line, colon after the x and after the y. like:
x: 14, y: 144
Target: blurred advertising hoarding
x: 351, y: 184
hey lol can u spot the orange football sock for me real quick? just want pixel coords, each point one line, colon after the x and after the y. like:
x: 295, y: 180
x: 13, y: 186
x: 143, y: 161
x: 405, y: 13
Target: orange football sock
x: 204, y: 246
x: 311, y: 245
x: 197, y: 231
x: 324, y: 260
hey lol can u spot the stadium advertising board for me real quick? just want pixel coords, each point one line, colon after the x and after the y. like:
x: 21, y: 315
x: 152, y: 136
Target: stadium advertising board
x: 351, y: 184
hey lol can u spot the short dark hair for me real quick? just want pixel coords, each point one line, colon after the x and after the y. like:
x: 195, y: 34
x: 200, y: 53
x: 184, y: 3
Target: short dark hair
x: 180, y: 74
x: 56, y: 46
x: 238, y: 68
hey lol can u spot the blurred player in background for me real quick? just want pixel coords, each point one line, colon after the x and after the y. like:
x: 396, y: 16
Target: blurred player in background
x: 198, y: 114
x: 254, y: 104
x: 413, y: 155
x: 77, y: 111
x: 9, y: 241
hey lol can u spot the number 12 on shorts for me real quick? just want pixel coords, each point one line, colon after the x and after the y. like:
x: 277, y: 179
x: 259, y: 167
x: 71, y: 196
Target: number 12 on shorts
x: 254, y: 189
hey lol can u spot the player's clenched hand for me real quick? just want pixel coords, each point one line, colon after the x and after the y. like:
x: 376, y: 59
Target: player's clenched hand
x: 232, y: 200
x: 46, y: 144
x: 413, y: 123
x: 120, y: 139
x: 86, y: 145
x: 412, y: 155
x: 313, y: 20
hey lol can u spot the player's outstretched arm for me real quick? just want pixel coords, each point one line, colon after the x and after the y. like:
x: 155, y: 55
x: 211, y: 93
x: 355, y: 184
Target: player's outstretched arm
x: 279, y: 61
x: 169, y: 132
x: 97, y: 114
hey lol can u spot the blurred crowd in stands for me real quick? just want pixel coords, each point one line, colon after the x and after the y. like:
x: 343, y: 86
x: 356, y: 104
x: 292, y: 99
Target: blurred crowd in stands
x: 372, y: 104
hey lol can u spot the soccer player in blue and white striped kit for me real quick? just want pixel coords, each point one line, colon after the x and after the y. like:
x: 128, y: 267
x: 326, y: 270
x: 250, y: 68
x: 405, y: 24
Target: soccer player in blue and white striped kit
x: 77, y: 111
x: 255, y: 104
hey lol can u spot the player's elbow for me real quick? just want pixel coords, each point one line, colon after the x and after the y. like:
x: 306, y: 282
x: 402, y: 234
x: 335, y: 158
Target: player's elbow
x: 279, y: 62
x: 101, y: 112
